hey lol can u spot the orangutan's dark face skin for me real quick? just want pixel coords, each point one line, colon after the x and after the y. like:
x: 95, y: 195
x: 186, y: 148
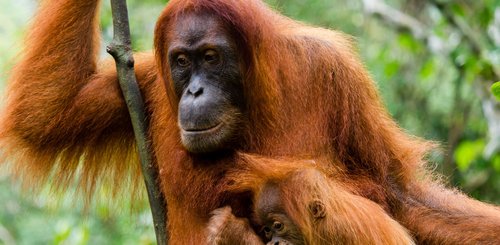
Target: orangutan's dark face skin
x: 207, y: 78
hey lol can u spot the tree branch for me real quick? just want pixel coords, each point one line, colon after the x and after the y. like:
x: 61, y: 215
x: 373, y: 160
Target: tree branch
x: 406, y: 23
x: 120, y: 49
x: 397, y: 18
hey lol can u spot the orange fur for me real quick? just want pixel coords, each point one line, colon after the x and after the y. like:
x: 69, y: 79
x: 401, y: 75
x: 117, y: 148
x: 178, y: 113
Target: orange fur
x: 349, y: 219
x: 307, y: 96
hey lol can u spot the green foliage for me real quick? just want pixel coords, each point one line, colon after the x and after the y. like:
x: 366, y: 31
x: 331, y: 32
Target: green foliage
x: 467, y: 152
x: 34, y: 218
x: 495, y: 90
x: 13, y: 17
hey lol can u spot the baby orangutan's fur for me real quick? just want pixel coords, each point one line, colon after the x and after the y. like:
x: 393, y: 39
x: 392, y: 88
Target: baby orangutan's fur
x: 296, y: 203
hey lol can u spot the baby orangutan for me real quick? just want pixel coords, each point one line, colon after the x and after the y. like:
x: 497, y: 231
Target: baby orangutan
x: 296, y: 203
x: 277, y: 226
x: 308, y: 208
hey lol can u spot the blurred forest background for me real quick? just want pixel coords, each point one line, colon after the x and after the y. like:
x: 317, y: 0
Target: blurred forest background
x: 433, y: 62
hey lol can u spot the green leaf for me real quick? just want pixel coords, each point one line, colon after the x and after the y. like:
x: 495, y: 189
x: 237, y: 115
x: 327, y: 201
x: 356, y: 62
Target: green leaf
x: 495, y: 90
x: 485, y: 16
x: 391, y: 68
x: 427, y: 69
x: 62, y: 234
x: 458, y: 10
x: 408, y: 42
x: 496, y: 163
x: 468, y: 152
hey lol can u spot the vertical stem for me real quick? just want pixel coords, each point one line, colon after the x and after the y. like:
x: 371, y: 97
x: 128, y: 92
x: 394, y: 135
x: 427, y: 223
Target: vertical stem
x: 120, y: 49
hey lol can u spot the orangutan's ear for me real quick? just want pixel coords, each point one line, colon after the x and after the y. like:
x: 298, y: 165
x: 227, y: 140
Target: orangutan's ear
x: 317, y: 209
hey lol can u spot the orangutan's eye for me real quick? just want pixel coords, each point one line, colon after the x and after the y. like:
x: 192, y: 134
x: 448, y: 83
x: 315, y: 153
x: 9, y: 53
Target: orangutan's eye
x: 211, y: 56
x: 278, y: 226
x: 183, y: 60
x: 267, y: 229
x: 267, y: 232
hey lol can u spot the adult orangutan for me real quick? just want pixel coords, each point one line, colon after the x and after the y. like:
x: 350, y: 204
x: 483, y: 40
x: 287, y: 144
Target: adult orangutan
x: 225, y: 76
